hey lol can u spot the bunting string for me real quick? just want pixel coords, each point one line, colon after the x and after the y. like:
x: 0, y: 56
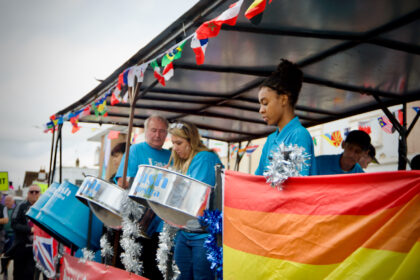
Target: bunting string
x: 126, y: 79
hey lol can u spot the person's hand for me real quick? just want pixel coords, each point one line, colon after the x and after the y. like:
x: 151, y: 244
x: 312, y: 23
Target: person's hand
x: 120, y: 183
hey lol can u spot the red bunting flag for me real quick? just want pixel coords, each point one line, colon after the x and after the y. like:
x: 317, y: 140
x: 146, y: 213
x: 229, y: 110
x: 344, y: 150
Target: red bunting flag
x: 74, y: 121
x: 255, y: 11
x: 212, y: 27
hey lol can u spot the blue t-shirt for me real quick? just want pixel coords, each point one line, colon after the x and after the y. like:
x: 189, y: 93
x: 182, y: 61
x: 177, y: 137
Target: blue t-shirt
x: 142, y: 153
x: 291, y: 134
x: 330, y: 164
x: 202, y: 168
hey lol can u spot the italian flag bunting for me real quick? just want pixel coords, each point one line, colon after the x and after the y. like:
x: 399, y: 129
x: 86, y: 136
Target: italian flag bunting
x: 157, y: 73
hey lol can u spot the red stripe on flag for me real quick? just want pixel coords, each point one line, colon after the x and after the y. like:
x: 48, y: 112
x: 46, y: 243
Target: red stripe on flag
x: 322, y: 195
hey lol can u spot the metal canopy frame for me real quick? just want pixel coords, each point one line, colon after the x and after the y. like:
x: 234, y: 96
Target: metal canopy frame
x: 355, y: 59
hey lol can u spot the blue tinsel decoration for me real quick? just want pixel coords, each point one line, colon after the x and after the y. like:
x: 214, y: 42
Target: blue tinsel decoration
x: 212, y: 220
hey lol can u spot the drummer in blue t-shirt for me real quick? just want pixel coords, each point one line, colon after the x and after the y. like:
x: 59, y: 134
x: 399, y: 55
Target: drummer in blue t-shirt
x: 355, y: 146
x: 191, y: 157
x: 152, y: 153
x: 278, y: 96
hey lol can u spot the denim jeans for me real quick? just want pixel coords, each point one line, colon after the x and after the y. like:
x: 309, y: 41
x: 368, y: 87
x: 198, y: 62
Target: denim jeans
x: 190, y: 257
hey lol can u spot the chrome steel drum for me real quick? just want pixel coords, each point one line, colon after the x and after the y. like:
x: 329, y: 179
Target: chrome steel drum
x: 104, y: 199
x: 176, y: 198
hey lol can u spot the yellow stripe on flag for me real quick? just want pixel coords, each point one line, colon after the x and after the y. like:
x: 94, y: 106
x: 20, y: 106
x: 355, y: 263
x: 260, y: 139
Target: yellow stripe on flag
x: 362, y: 264
x: 235, y: 267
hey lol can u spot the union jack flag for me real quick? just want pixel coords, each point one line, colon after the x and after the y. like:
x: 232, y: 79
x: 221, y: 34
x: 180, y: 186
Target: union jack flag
x: 45, y: 251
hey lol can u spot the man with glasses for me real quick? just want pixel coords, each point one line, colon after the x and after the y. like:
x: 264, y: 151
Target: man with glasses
x: 21, y: 251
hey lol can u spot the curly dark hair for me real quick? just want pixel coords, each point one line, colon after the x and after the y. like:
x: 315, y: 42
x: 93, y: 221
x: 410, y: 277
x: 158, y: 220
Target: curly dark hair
x: 287, y: 79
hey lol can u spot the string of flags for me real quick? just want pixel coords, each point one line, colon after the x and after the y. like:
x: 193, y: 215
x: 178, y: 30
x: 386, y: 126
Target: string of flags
x: 126, y: 79
x: 248, y: 150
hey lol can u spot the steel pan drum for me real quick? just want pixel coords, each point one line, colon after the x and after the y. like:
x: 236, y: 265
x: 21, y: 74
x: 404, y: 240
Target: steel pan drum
x: 104, y: 199
x: 67, y: 219
x: 176, y: 198
x: 42, y: 200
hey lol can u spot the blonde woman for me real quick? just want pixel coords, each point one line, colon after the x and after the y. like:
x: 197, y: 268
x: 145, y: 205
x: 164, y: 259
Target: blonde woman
x: 191, y: 157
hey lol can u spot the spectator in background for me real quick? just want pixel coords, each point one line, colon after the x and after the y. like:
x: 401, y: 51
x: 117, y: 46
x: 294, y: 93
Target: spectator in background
x: 415, y: 162
x: 4, y: 219
x: 21, y: 251
x: 116, y: 156
x: 9, y: 202
x: 370, y: 157
x: 355, y: 146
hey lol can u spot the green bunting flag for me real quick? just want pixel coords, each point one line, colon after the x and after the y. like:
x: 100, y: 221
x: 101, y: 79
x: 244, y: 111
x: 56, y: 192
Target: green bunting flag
x: 173, y: 54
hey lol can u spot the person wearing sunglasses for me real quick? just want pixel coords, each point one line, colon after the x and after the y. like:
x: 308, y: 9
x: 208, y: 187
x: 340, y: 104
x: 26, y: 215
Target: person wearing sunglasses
x: 21, y: 250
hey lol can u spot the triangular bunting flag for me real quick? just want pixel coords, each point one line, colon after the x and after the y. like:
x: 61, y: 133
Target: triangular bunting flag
x: 255, y: 11
x: 173, y: 54
x: 86, y: 111
x: 136, y: 71
x: 334, y: 138
x: 199, y: 48
x: 251, y: 149
x: 212, y: 27
x: 157, y: 73
x: 95, y: 109
x: 168, y: 71
x: 386, y: 124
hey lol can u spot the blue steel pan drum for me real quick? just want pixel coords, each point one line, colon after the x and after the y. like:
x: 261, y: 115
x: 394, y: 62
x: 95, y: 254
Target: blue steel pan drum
x: 42, y: 200
x: 174, y: 197
x: 104, y: 199
x: 67, y: 219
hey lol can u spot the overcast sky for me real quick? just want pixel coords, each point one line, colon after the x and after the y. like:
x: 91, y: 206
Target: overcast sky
x: 51, y: 52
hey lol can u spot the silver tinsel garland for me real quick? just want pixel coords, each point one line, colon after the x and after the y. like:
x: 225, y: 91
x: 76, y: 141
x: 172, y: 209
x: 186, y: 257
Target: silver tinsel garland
x: 285, y: 162
x: 47, y: 273
x: 164, y: 253
x: 88, y: 255
x: 107, y: 251
x: 131, y: 213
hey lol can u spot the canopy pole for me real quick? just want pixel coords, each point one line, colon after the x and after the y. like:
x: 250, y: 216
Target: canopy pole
x: 228, y: 154
x: 402, y: 142
x: 133, y: 98
x: 402, y: 131
x: 51, y: 157
x: 60, y: 126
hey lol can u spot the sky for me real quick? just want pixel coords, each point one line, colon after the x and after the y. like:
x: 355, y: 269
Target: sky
x: 51, y: 53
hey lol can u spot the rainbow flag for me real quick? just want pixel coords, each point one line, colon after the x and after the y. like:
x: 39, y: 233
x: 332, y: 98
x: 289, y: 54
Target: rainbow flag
x: 360, y: 226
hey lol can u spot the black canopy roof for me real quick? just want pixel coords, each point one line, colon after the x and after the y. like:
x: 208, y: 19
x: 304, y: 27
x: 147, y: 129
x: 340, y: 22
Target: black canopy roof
x: 356, y: 56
